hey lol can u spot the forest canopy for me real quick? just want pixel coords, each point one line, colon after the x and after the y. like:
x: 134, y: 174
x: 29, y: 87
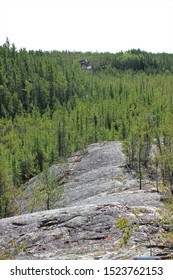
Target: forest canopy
x: 54, y: 103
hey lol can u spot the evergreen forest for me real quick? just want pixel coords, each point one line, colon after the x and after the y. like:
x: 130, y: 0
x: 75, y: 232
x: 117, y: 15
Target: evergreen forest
x: 55, y: 103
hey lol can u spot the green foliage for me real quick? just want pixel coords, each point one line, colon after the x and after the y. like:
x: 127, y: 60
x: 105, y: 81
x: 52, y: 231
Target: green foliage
x: 167, y: 219
x: 137, y: 211
x: 12, y: 251
x: 46, y: 190
x: 50, y: 106
x: 50, y: 187
x: 125, y: 227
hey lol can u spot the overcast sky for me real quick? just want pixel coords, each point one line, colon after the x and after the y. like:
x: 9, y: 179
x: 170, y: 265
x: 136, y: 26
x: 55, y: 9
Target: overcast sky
x: 88, y: 25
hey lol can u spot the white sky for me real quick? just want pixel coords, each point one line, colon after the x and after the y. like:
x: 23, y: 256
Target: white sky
x: 88, y: 25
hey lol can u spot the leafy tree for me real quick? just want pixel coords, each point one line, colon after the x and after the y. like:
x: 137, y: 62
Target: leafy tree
x: 49, y: 189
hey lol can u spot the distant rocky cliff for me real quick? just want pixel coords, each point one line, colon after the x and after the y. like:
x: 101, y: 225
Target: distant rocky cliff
x: 99, y: 195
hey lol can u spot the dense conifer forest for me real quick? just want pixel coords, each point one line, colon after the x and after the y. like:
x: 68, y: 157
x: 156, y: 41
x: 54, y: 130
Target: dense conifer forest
x: 54, y: 103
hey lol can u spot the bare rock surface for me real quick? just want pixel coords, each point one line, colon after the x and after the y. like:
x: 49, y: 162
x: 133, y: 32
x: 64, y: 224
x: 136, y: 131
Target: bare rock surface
x: 98, y: 192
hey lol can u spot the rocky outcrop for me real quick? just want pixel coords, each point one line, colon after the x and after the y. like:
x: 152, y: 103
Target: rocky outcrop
x: 98, y: 192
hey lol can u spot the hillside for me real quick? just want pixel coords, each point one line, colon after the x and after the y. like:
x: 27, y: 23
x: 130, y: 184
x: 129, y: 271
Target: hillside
x: 53, y: 104
x: 99, y: 195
